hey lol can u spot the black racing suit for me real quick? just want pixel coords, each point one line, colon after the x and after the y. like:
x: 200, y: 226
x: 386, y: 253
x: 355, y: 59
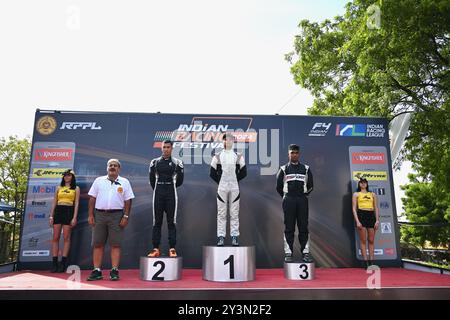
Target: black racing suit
x: 165, y: 176
x: 294, y: 183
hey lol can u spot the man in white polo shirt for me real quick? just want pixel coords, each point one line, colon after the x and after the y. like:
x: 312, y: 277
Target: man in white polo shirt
x: 110, y: 196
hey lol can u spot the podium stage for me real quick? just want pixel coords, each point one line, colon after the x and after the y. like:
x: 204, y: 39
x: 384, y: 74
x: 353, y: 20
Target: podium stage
x: 269, y: 284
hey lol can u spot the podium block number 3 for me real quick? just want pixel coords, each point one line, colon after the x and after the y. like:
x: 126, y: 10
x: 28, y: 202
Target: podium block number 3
x: 230, y: 260
x: 161, y: 269
x: 304, y: 274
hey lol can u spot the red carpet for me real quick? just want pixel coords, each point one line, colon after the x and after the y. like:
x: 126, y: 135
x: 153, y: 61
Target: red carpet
x: 192, y: 279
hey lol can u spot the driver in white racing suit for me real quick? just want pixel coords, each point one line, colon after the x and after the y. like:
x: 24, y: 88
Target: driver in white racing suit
x: 227, y: 168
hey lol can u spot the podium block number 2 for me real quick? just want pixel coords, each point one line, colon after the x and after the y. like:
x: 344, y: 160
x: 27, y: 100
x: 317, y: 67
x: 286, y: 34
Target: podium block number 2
x: 230, y: 260
x: 304, y: 274
x: 161, y: 269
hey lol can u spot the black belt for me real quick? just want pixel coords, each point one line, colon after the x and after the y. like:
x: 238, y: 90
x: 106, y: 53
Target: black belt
x: 112, y: 210
x: 168, y: 183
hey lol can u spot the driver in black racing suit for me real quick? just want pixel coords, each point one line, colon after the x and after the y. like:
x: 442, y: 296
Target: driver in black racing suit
x: 294, y: 183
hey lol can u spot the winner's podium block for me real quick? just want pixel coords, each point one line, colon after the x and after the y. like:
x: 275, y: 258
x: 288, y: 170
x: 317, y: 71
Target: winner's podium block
x: 229, y: 264
x: 299, y: 270
x: 160, y: 269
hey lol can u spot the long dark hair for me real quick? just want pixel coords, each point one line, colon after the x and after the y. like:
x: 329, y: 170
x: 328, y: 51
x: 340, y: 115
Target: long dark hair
x: 362, y: 180
x: 73, y: 182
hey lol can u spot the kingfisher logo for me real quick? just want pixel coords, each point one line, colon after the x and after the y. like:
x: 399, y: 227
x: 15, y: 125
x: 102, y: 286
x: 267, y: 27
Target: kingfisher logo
x: 80, y: 125
x: 370, y: 175
x: 207, y: 132
x: 53, y: 155
x: 34, y: 216
x: 360, y: 130
x: 368, y: 158
x: 42, y: 189
x: 319, y: 129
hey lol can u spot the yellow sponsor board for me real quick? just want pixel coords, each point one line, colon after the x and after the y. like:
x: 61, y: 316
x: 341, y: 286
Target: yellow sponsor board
x: 370, y: 175
x: 48, y: 172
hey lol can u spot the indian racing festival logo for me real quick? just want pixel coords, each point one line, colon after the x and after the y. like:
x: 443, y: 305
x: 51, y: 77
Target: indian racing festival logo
x: 207, y: 132
x: 360, y: 130
x: 198, y: 141
x: 46, y: 125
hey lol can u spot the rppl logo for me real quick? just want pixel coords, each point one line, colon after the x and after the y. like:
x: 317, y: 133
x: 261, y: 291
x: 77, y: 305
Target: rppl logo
x: 80, y: 125
x: 39, y: 189
x: 320, y: 129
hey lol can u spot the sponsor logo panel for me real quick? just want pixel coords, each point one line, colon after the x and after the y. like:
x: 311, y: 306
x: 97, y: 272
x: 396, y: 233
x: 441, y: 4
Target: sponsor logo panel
x: 45, y: 173
x: 370, y: 175
x: 53, y: 154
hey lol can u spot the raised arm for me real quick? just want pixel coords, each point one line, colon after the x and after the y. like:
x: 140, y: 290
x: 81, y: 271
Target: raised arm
x: 215, y: 168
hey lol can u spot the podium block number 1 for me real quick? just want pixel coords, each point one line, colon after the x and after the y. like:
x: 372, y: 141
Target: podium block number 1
x: 161, y: 269
x: 230, y: 260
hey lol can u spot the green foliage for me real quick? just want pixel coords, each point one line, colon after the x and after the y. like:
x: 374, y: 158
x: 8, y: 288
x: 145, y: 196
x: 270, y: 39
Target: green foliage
x: 14, y: 164
x: 426, y: 203
x: 355, y: 69
x: 383, y: 58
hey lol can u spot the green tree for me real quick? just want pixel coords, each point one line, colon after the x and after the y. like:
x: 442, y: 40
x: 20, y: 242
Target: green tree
x: 14, y: 168
x: 384, y: 58
x: 426, y: 204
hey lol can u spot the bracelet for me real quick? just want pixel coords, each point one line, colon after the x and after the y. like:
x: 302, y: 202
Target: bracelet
x: 125, y: 216
x: 51, y: 217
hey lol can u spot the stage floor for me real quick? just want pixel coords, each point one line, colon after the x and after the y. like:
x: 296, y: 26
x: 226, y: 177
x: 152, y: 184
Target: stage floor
x: 329, y: 283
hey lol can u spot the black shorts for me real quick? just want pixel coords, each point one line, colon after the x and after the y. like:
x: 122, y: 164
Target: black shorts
x: 367, y: 218
x: 63, y: 215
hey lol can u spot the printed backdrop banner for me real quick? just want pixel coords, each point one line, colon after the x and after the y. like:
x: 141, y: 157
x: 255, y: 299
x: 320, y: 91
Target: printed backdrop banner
x: 338, y: 150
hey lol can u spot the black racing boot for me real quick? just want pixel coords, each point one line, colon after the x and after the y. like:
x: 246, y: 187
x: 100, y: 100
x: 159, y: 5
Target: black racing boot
x: 54, y: 265
x: 63, y: 265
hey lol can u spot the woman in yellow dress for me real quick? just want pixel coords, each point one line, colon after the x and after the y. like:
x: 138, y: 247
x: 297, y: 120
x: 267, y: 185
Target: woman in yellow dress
x: 63, y: 216
x: 365, y: 213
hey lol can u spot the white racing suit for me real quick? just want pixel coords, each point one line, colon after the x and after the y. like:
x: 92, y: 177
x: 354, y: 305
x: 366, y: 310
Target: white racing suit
x: 227, y: 168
